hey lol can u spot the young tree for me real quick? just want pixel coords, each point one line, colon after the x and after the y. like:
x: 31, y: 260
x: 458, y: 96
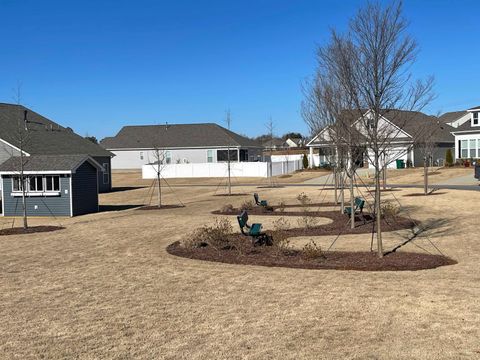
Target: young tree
x: 270, y: 129
x: 370, y: 64
x: 159, y: 161
x: 228, y: 120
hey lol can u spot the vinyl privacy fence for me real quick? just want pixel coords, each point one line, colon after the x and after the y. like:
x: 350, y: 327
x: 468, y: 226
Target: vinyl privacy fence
x: 218, y: 170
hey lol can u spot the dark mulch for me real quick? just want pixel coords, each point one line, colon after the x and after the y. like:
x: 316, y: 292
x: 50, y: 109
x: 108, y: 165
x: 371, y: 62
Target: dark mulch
x: 270, y: 187
x: 339, y: 225
x: 29, y: 230
x: 242, y: 194
x: 334, y: 260
x: 422, y: 194
x: 163, y: 207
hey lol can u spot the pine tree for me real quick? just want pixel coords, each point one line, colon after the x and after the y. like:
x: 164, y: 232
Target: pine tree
x: 449, y: 157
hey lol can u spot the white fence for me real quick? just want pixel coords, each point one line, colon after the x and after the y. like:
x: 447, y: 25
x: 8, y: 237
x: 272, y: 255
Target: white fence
x: 237, y: 169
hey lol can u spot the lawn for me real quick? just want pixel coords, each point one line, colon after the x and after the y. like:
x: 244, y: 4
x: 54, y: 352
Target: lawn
x: 105, y: 287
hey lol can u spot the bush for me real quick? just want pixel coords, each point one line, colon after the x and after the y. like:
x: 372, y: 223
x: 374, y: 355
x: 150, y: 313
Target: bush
x: 281, y: 242
x: 389, y: 210
x: 449, y: 157
x: 305, y: 161
x: 216, y: 235
x: 247, y: 205
x: 227, y: 208
x: 312, y: 251
x: 303, y: 199
x: 281, y: 206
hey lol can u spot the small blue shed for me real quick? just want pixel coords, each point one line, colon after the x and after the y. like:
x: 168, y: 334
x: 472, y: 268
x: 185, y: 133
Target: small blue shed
x: 54, y: 185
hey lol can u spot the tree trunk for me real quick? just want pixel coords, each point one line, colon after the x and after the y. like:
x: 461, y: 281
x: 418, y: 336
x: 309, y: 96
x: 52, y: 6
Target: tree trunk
x: 335, y: 178
x: 378, y: 206
x: 384, y: 176
x: 23, y: 184
x: 342, y: 193
x: 352, y: 201
x: 425, y: 176
x: 159, y: 190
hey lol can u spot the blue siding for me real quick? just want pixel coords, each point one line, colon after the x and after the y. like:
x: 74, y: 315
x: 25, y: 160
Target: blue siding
x: 84, y: 189
x: 37, y: 205
x: 104, y: 180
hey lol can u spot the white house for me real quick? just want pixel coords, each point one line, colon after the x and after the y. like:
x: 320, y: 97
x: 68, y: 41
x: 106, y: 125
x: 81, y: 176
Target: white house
x: 401, y: 126
x: 466, y: 130
x: 134, y: 146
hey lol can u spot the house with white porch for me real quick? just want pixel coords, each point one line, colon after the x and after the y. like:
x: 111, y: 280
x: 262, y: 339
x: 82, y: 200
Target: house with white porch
x: 466, y: 130
x: 404, y: 128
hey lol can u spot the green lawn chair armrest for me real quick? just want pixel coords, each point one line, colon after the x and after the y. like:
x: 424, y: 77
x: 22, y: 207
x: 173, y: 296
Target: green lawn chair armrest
x: 263, y: 202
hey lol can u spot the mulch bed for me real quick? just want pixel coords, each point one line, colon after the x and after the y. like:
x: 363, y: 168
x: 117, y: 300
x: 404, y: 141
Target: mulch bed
x: 383, y: 190
x: 29, y: 230
x: 339, y: 224
x: 163, y: 207
x: 334, y: 260
x: 422, y: 194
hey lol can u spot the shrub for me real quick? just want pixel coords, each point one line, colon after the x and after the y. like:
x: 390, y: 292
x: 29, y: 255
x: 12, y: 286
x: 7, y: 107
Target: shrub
x: 247, y: 205
x: 305, y: 161
x: 227, y: 208
x: 449, y: 157
x: 389, y: 210
x: 312, y: 251
x: 281, y: 206
x: 281, y: 242
x: 281, y: 224
x: 303, y: 199
x: 216, y: 235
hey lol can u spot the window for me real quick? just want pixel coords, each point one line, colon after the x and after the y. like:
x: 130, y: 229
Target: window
x: 209, y: 156
x: 475, y: 118
x: 106, y: 173
x: 473, y: 148
x: 52, y: 183
x: 141, y: 155
x: 35, y: 183
x: 168, y: 157
x: 222, y: 155
x: 371, y: 123
x: 16, y: 183
x: 464, y: 148
x: 243, y: 155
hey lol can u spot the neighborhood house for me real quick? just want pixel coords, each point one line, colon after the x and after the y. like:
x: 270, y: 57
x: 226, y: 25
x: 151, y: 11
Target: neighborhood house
x: 134, y: 146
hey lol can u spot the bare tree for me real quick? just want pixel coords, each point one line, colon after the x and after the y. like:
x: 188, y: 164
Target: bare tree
x: 370, y: 64
x: 228, y: 120
x: 159, y: 162
x: 426, y: 140
x: 21, y: 138
x: 270, y: 127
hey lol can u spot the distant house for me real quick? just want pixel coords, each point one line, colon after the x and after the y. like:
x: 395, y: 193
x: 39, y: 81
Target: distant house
x: 275, y: 144
x: 41, y: 136
x: 466, y: 130
x: 402, y: 146
x: 295, y: 142
x: 134, y: 146
x: 55, y: 185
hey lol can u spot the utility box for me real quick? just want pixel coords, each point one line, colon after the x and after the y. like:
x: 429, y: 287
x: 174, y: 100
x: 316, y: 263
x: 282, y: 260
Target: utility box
x: 400, y: 164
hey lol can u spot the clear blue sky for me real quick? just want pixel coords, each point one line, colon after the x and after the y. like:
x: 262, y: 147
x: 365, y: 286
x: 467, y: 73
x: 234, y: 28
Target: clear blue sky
x: 99, y: 65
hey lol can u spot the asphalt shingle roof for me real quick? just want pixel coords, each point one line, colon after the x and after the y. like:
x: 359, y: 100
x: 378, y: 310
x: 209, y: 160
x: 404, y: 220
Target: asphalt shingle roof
x: 45, y: 163
x: 452, y: 116
x: 43, y: 135
x: 176, y: 136
x: 475, y: 108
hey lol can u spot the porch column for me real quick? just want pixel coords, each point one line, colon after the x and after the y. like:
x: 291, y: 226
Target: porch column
x: 310, y: 163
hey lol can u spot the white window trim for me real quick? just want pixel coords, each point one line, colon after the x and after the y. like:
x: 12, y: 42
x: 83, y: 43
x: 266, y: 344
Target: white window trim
x: 43, y: 192
x: 478, y: 119
x: 106, y: 173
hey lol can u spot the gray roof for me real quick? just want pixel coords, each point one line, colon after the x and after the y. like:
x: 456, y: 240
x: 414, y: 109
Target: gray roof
x: 39, y: 163
x: 176, y: 136
x: 274, y: 142
x: 452, y: 116
x: 475, y: 108
x: 411, y: 122
x: 43, y: 135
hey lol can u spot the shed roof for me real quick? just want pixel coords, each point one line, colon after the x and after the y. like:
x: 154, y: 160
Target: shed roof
x: 46, y: 163
x: 176, y: 136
